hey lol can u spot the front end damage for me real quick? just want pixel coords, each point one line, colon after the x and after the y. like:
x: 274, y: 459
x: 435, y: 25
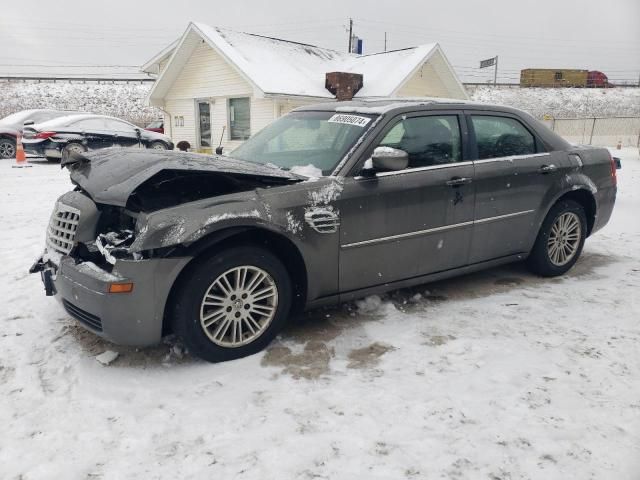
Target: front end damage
x: 116, y: 244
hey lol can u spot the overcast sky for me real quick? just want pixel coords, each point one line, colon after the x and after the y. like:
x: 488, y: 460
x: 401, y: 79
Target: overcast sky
x: 586, y: 34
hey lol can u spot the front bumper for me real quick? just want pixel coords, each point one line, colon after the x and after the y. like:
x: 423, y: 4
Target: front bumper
x: 134, y: 318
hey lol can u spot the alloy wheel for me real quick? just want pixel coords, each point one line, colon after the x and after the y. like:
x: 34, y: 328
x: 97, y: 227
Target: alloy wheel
x: 239, y: 306
x: 7, y: 149
x: 564, y: 239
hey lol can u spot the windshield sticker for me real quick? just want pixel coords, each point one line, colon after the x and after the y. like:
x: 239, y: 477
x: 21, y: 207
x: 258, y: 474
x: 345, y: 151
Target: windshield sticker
x: 356, y: 120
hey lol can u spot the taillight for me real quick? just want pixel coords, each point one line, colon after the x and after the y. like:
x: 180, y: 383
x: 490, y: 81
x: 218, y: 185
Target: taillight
x: 45, y: 135
x: 613, y: 170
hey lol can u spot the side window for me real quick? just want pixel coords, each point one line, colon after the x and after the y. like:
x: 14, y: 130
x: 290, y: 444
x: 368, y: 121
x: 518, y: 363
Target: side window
x: 430, y: 140
x: 117, y: 126
x: 239, y: 118
x: 501, y: 137
x: 90, y: 124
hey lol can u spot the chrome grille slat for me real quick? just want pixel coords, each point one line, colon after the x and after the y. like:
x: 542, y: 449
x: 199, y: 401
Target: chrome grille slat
x: 62, y: 228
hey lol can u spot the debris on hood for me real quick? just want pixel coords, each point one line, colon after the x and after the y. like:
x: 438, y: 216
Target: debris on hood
x: 114, y: 245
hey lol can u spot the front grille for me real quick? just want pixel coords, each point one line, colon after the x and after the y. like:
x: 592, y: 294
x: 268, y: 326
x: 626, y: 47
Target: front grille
x: 63, y: 225
x: 83, y: 317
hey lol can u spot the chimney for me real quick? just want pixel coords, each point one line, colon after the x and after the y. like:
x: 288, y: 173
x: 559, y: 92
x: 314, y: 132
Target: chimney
x: 343, y: 85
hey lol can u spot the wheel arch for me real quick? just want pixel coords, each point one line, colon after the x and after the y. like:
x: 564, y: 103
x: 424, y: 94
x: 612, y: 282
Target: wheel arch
x: 278, y: 244
x: 585, y: 198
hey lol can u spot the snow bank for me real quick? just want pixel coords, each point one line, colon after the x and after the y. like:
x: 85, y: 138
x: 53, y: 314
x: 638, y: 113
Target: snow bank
x: 564, y: 102
x: 122, y: 100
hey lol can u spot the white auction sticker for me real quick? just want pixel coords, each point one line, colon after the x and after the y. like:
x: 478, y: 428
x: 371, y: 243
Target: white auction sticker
x: 356, y: 120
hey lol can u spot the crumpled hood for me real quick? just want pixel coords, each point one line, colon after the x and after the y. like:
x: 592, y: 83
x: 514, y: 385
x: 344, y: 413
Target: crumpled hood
x: 111, y: 175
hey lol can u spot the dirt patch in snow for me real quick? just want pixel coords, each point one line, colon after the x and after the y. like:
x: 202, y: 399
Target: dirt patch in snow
x: 368, y: 356
x: 310, y: 364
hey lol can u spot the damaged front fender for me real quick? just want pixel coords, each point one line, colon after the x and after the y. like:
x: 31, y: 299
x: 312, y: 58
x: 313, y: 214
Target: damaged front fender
x: 179, y: 226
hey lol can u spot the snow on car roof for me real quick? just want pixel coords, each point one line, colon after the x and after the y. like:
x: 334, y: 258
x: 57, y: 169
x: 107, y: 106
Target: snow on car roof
x: 378, y: 106
x: 67, y: 119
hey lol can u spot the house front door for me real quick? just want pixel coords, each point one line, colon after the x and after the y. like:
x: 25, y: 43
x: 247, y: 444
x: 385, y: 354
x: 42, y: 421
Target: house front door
x: 204, y: 124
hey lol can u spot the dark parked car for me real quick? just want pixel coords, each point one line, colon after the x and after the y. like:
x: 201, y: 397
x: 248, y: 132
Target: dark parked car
x: 13, y: 124
x: 80, y: 133
x: 224, y: 250
x: 156, y: 126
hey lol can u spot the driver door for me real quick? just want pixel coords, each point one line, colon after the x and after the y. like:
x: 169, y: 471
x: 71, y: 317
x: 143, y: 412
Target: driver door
x: 397, y: 225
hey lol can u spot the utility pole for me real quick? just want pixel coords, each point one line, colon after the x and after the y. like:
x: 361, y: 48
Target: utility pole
x: 385, y: 41
x: 495, y: 73
x: 350, y: 33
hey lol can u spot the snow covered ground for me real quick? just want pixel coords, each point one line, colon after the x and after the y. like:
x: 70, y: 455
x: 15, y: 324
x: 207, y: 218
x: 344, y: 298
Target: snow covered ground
x: 498, y: 375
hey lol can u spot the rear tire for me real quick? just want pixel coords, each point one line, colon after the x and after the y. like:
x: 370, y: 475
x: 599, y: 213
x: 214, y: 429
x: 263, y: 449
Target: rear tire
x: 7, y: 148
x: 220, y: 315
x: 158, y: 146
x: 74, y: 147
x: 560, y: 240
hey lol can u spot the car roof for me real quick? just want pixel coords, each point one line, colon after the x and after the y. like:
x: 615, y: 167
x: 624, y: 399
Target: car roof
x: 380, y: 106
x: 77, y: 117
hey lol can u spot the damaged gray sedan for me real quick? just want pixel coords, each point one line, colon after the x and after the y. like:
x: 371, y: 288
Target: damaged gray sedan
x: 327, y: 204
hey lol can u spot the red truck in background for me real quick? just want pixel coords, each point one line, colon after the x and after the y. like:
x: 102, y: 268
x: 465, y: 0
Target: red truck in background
x: 156, y: 126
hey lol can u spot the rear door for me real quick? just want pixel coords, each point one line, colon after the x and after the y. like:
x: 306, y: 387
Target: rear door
x: 93, y: 131
x: 403, y: 224
x: 122, y: 134
x: 513, y: 173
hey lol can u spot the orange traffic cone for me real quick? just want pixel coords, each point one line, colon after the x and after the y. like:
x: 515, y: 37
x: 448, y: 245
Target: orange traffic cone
x: 21, y: 158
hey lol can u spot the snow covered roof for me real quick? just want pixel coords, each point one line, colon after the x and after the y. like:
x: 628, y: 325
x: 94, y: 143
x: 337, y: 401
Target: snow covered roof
x: 280, y: 67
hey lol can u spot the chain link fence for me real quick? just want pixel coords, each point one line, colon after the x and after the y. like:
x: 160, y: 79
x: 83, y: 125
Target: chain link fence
x: 609, y: 131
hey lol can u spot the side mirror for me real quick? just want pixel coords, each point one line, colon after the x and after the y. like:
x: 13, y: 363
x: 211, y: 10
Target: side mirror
x: 219, y: 150
x: 386, y: 158
x: 138, y: 133
x: 618, y: 163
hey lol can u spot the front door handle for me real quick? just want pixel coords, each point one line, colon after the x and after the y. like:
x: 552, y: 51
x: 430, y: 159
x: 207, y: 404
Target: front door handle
x: 457, y: 181
x: 547, y: 168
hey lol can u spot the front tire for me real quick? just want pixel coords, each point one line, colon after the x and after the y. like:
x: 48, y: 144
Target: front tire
x: 560, y: 240
x: 232, y: 304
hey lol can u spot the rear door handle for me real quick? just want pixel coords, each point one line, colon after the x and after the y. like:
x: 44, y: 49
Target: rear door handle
x: 457, y: 181
x: 547, y: 168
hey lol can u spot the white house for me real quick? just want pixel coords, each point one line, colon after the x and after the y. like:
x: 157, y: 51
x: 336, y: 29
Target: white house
x: 217, y: 85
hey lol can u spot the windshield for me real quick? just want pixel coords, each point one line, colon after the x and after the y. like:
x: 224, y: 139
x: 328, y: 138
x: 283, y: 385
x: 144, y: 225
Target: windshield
x: 308, y: 143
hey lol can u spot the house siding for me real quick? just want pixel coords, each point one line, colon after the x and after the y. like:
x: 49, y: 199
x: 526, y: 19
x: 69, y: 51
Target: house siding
x: 207, y: 76
x: 433, y: 79
x: 424, y: 83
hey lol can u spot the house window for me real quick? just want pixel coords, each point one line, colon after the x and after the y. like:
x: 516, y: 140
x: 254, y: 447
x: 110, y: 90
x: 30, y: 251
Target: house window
x: 239, y: 118
x: 558, y: 76
x: 178, y: 121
